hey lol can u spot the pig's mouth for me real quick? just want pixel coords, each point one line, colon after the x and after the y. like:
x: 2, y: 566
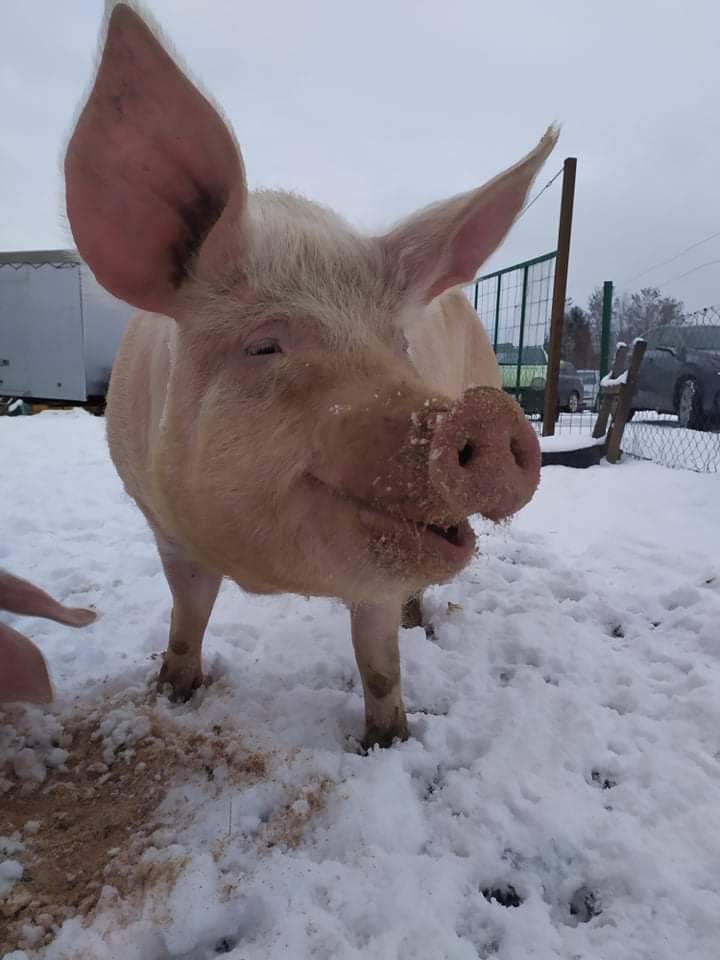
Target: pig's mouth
x: 455, y: 535
x: 455, y: 542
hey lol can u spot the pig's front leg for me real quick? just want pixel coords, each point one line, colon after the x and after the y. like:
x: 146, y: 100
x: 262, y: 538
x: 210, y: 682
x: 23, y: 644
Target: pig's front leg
x: 375, y: 628
x: 194, y: 590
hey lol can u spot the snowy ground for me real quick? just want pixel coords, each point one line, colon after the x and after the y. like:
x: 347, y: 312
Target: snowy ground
x: 559, y: 798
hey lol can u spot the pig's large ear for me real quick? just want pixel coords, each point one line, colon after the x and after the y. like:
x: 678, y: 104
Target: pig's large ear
x: 23, y: 676
x: 445, y: 244
x: 150, y: 169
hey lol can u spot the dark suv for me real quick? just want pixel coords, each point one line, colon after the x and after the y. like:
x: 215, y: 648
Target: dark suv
x: 680, y: 374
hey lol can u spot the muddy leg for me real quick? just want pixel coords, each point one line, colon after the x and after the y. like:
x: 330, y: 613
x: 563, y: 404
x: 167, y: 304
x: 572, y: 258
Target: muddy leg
x: 194, y: 590
x: 375, y: 639
x: 412, y: 615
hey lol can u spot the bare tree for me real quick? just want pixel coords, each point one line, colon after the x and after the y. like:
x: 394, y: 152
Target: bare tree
x: 633, y: 314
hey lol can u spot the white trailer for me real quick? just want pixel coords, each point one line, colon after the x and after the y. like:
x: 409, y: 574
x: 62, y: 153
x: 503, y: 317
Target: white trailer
x: 59, y: 330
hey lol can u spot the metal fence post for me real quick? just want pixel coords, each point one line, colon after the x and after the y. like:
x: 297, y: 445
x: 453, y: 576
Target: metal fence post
x: 521, y: 336
x: 559, y: 295
x: 497, y: 313
x: 605, y: 329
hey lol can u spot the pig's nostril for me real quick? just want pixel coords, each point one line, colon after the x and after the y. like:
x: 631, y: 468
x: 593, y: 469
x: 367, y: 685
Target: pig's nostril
x: 466, y: 454
x: 518, y: 453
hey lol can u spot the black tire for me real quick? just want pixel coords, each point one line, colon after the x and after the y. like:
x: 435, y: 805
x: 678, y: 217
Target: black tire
x: 573, y: 404
x: 689, y: 405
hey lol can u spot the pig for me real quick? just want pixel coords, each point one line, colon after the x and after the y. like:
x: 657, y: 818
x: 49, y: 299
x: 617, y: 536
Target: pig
x: 295, y: 406
x: 23, y: 674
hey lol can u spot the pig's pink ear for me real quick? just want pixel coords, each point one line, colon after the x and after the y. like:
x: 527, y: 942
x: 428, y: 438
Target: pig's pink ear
x: 23, y: 673
x: 150, y: 169
x: 445, y: 244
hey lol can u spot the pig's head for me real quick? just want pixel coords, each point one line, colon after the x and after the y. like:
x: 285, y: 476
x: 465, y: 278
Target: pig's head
x: 302, y: 449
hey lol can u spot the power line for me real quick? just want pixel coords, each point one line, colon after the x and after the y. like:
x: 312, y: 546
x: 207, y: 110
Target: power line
x: 540, y: 193
x: 672, y: 259
x: 687, y: 273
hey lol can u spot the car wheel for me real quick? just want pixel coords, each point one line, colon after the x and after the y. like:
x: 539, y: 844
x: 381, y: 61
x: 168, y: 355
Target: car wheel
x: 573, y: 404
x: 689, y: 408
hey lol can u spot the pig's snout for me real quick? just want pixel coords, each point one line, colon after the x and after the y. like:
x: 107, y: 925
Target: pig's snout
x: 484, y: 455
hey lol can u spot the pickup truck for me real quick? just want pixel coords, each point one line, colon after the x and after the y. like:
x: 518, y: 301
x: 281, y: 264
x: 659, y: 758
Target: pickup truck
x: 527, y: 382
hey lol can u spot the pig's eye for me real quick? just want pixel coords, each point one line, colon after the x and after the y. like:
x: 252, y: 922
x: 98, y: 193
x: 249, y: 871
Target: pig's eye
x: 263, y: 348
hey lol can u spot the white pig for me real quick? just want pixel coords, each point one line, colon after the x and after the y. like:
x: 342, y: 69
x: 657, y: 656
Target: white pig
x: 296, y: 406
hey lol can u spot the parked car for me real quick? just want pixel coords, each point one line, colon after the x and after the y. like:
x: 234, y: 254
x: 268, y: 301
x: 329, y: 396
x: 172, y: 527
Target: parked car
x: 591, y: 387
x: 570, y: 388
x: 526, y: 381
x: 680, y: 374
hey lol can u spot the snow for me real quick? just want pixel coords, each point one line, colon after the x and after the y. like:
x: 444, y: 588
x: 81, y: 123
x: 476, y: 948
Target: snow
x: 562, y: 442
x: 610, y: 381
x: 10, y: 872
x: 558, y: 797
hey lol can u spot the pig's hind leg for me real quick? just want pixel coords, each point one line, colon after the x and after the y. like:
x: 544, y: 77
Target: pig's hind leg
x: 194, y: 590
x: 412, y: 614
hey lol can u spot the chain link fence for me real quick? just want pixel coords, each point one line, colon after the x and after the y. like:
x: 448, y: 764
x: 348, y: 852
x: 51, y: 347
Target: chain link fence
x: 676, y: 408
x: 675, y: 417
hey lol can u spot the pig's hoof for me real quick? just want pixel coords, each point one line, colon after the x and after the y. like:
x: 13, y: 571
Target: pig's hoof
x: 377, y: 736
x: 412, y: 615
x: 179, y: 687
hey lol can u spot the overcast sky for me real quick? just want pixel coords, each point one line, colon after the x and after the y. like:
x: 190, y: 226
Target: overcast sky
x: 379, y: 106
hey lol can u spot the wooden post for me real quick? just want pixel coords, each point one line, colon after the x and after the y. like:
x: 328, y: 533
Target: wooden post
x: 625, y: 397
x: 559, y: 295
x: 608, y: 397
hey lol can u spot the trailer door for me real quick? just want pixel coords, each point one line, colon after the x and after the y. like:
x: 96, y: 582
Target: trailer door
x: 41, y: 332
x: 14, y: 337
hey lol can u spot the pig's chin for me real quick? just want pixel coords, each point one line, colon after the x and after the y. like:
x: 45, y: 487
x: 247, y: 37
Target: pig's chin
x: 417, y: 552
x: 413, y: 542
